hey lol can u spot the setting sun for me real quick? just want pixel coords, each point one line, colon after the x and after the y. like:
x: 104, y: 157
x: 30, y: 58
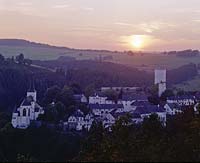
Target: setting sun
x: 137, y: 41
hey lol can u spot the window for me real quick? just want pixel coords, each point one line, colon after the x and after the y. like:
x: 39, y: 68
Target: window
x: 24, y: 113
x: 29, y: 112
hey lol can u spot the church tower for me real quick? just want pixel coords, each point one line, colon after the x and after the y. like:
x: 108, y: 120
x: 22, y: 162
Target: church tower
x: 32, y: 91
x: 160, y: 80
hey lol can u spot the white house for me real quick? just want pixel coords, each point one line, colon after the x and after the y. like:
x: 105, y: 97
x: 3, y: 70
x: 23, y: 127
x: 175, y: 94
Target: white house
x: 97, y: 99
x: 185, y: 100
x: 173, y: 108
x: 76, y: 121
x: 128, y: 100
x: 28, y: 111
x: 146, y: 111
x: 118, y: 89
x: 196, y: 108
x: 108, y: 120
x: 80, y: 98
x: 89, y: 118
x: 101, y: 109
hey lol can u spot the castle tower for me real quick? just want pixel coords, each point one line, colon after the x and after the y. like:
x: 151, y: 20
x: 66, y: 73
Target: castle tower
x: 160, y: 80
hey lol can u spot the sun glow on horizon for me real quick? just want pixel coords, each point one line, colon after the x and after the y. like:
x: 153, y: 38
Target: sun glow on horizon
x: 137, y: 41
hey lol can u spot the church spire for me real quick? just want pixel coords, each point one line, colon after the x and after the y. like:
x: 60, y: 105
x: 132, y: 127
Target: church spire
x: 31, y: 85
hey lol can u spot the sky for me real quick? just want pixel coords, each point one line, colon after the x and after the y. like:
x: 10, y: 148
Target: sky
x: 149, y: 25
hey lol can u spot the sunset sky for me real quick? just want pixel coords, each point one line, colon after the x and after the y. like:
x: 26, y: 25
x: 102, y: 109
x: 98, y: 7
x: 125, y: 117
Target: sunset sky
x: 150, y: 25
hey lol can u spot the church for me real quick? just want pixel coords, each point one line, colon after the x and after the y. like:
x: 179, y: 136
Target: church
x: 28, y: 111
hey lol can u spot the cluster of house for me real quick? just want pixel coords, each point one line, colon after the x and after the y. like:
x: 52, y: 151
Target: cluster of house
x: 108, y: 111
x: 137, y: 106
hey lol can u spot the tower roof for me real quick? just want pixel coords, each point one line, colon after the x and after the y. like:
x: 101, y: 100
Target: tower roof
x: 32, y: 86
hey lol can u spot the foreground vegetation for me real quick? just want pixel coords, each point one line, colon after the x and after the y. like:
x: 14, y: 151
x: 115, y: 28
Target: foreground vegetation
x: 149, y: 142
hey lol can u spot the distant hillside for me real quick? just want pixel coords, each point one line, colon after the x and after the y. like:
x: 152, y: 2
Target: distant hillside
x: 25, y: 43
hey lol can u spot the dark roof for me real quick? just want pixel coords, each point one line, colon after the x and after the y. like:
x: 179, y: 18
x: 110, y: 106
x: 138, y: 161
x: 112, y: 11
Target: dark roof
x: 149, y: 109
x: 140, y: 103
x: 27, y: 101
x: 78, y: 97
x: 131, y: 97
x: 116, y: 115
x: 183, y: 97
x: 78, y: 113
x: 136, y: 115
x: 105, y: 106
x: 174, y: 105
x: 100, y: 94
x: 197, y: 95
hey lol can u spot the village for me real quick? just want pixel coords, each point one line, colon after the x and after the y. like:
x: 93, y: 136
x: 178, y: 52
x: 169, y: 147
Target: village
x: 102, y: 109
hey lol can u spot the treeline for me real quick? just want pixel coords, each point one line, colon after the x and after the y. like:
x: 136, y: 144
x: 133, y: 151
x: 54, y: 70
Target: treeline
x: 110, y: 74
x: 184, y: 53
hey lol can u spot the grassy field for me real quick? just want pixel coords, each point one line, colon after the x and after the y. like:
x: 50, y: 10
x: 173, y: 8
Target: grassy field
x: 146, y: 62
x: 48, y: 53
x: 153, y: 61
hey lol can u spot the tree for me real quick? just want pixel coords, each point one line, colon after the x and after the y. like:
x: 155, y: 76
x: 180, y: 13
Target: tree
x: 61, y: 110
x: 89, y: 90
x: 166, y: 94
x: 112, y: 95
x: 66, y: 96
x: 51, y: 94
x: 153, y: 98
x: 20, y: 58
x: 2, y: 59
x: 76, y: 88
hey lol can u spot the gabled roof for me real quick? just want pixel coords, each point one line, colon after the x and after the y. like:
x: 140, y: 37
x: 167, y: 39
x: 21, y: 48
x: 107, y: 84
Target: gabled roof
x: 27, y: 101
x: 149, y: 109
x: 105, y: 106
x: 16, y: 110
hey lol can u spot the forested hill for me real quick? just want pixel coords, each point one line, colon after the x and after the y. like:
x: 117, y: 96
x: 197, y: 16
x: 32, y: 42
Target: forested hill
x: 100, y: 74
x: 111, y: 74
x: 15, y: 81
x: 25, y: 43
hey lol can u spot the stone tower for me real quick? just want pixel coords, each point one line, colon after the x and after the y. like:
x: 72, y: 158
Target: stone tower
x: 160, y: 80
